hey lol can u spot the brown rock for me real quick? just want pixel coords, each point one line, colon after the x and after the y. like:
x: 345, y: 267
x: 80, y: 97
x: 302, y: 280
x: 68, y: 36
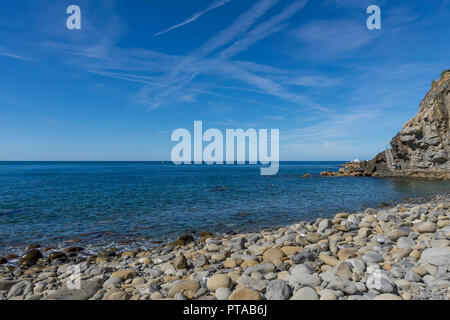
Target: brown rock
x: 219, y: 280
x: 364, y: 232
x: 328, y: 260
x: 145, y: 260
x: 249, y: 263
x: 125, y: 274
x: 182, y: 286
x: 100, y: 259
x: 273, y: 255
x: 180, y: 262
x: 245, y: 294
x: 415, y: 254
x: 116, y: 295
x: 30, y: 258
x: 347, y: 253
x: 230, y: 264
x: 291, y: 250
x: 11, y: 257
x: 341, y: 215
x: 72, y: 249
x: 57, y: 256
x: 340, y: 227
x: 343, y: 270
x: 167, y: 279
x: 313, y: 237
x: 186, y: 238
x: 127, y: 254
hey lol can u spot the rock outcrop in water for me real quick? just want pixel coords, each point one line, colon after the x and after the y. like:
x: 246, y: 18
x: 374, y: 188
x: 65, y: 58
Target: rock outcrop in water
x: 421, y: 148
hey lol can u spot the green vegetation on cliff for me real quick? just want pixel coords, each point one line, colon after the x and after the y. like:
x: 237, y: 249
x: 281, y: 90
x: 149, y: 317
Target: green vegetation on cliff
x: 433, y: 82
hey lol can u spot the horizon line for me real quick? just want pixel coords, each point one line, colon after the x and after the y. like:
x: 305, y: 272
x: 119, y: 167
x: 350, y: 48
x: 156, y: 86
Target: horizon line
x: 157, y: 161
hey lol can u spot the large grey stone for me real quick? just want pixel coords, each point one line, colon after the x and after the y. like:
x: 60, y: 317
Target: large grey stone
x: 258, y: 285
x: 154, y: 272
x: 405, y: 243
x: 5, y: 285
x: 395, y: 234
x: 301, y: 269
x: 262, y: 268
x: 387, y: 296
x: 222, y: 293
x: 305, y: 293
x: 324, y: 224
x: 372, y: 257
x: 412, y: 276
x: 199, y: 261
x: 342, y: 284
x: 426, y: 227
x: 357, y: 264
x: 112, y: 282
x: 436, y: 256
x: 310, y: 280
x: 303, y: 256
x: 380, y: 282
x: 88, y: 289
x: 22, y: 288
x: 278, y: 290
x: 237, y: 243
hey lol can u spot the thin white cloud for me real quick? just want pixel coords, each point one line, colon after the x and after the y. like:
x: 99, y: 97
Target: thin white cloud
x: 352, y: 3
x: 142, y: 97
x: 184, y: 72
x: 172, y: 79
x: 7, y: 53
x: 237, y: 28
x: 160, y: 133
x: 263, y: 30
x: 197, y: 62
x: 334, y: 127
x: 328, y: 39
x: 216, y: 4
x: 314, y: 81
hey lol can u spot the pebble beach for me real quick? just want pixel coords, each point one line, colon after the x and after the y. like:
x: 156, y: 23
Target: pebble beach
x: 396, y: 252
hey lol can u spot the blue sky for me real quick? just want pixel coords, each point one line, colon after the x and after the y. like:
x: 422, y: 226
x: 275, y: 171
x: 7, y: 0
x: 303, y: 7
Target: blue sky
x: 137, y: 70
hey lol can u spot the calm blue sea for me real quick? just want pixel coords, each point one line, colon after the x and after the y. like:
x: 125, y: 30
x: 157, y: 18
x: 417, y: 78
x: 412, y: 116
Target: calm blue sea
x: 106, y: 203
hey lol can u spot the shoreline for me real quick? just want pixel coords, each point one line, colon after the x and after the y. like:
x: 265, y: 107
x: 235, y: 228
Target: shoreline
x: 299, y: 261
x: 150, y: 243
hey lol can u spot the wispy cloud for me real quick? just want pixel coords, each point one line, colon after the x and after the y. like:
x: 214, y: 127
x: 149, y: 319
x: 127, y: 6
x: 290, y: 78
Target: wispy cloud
x: 337, y: 136
x: 263, y: 30
x: 7, y: 53
x: 171, y: 79
x: 197, y: 62
x: 237, y: 28
x: 315, y: 81
x: 353, y: 3
x: 163, y: 132
x: 233, y: 124
x: 214, y: 5
x: 190, y: 66
x: 331, y: 38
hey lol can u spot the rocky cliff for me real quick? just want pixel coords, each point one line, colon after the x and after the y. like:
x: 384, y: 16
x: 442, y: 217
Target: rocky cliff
x: 422, y: 147
x: 423, y: 143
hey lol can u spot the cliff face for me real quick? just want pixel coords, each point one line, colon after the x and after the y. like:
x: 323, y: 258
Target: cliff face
x: 422, y: 147
x: 423, y: 143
